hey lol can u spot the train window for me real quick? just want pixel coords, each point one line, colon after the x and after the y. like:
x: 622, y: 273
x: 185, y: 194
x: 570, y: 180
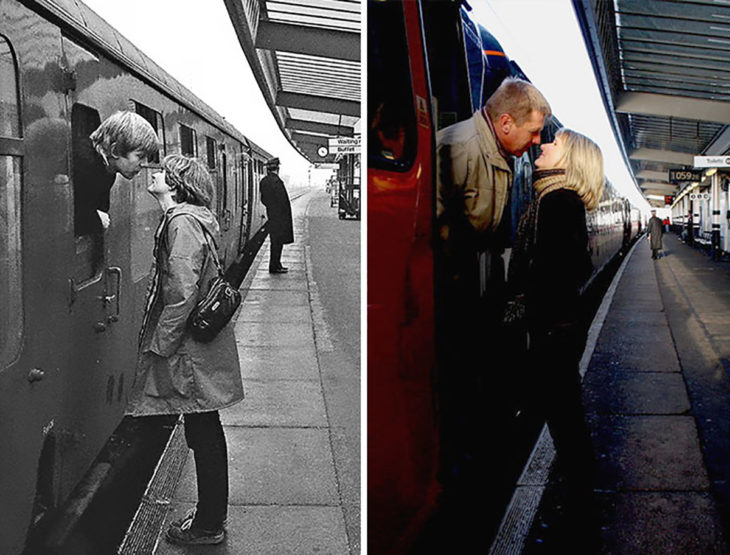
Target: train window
x: 211, y: 148
x: 391, y: 105
x: 188, y: 141
x: 11, y: 308
x: 9, y: 112
x: 155, y: 119
x: 91, y: 186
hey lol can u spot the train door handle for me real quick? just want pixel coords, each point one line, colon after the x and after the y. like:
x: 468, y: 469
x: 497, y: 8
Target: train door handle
x: 36, y: 375
x: 108, y: 299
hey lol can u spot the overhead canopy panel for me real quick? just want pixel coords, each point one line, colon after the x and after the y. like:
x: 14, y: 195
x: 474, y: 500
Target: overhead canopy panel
x: 305, y: 55
x: 663, y: 68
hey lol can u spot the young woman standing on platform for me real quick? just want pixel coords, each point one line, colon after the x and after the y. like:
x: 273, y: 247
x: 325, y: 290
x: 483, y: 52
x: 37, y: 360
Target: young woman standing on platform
x: 176, y: 374
x: 550, y: 262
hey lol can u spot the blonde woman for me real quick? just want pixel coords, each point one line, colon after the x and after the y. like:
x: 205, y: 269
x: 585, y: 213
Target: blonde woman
x: 175, y: 373
x: 549, y: 264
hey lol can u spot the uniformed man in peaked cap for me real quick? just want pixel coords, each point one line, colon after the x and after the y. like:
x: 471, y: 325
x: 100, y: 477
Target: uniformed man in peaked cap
x: 278, y: 210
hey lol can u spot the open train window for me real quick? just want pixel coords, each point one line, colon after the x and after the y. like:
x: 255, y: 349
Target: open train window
x: 155, y: 119
x: 91, y: 186
x: 188, y: 141
x: 211, y: 147
x: 11, y: 158
x: 391, y: 105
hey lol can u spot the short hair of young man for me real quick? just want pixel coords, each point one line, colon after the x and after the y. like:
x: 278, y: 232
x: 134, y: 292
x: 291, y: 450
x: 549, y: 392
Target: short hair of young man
x: 189, y: 179
x: 517, y: 98
x: 128, y: 131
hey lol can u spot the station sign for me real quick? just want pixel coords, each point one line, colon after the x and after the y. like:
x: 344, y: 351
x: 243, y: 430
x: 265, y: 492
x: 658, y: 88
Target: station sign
x: 712, y: 161
x: 345, y: 145
x: 327, y: 166
x: 699, y: 196
x: 685, y: 175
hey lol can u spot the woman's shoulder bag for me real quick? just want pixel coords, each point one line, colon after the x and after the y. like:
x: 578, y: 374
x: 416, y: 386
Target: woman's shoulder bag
x: 217, y: 307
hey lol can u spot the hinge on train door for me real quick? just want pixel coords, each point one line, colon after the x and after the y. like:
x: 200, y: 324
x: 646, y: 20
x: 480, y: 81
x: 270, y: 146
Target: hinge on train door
x: 68, y: 80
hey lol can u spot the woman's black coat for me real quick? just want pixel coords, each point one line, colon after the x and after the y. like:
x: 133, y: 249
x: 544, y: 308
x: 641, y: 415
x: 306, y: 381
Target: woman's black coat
x: 560, y: 263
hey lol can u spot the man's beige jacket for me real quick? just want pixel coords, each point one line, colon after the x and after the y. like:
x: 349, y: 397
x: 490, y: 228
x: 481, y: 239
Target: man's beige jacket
x: 473, y: 177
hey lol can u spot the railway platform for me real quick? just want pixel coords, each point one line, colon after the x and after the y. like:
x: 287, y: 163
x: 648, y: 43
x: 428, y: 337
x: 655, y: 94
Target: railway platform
x: 657, y: 398
x: 289, y: 467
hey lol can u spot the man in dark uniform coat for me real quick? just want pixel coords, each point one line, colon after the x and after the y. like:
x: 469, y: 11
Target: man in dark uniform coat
x: 278, y: 209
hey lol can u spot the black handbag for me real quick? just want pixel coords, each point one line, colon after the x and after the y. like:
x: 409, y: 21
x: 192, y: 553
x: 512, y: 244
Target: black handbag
x: 217, y: 307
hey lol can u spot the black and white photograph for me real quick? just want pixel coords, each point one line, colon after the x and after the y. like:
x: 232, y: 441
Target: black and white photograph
x: 180, y: 280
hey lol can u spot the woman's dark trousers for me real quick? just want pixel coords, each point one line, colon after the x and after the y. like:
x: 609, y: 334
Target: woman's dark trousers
x: 204, y: 435
x: 555, y: 362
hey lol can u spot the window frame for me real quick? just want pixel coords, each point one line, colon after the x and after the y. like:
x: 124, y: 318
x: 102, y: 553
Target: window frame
x: 158, y: 125
x: 194, y: 139
x: 13, y: 147
x: 211, y: 153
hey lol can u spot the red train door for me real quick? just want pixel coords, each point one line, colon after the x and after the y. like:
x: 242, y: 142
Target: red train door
x: 402, y: 425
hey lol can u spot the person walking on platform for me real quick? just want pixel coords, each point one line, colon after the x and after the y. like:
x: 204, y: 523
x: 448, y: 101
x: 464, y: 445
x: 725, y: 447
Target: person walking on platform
x: 655, y: 230
x: 175, y: 373
x: 473, y: 189
x: 550, y: 262
x: 278, y: 210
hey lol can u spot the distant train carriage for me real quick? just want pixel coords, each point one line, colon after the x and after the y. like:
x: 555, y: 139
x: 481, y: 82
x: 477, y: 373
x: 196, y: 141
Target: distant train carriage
x: 71, y: 303
x: 425, y: 72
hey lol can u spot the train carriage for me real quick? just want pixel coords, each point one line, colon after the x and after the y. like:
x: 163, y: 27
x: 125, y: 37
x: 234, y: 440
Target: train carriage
x: 71, y: 303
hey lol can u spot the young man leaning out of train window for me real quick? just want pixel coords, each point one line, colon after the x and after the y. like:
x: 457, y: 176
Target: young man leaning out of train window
x: 123, y: 141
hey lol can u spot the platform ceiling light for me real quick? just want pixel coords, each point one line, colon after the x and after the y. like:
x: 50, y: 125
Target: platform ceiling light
x: 711, y: 171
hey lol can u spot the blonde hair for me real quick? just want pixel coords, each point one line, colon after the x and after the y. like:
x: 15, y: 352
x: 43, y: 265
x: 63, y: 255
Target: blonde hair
x: 128, y: 131
x: 517, y: 98
x: 189, y: 179
x: 583, y: 166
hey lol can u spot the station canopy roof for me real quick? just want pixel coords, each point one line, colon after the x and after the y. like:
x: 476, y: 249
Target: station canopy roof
x: 305, y: 55
x: 663, y: 68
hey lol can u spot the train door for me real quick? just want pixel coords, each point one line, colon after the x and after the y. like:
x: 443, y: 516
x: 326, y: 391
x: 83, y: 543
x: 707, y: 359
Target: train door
x: 21, y: 399
x: 235, y: 201
x: 402, y: 432
x: 250, y: 202
x: 103, y: 345
x: 244, y: 181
